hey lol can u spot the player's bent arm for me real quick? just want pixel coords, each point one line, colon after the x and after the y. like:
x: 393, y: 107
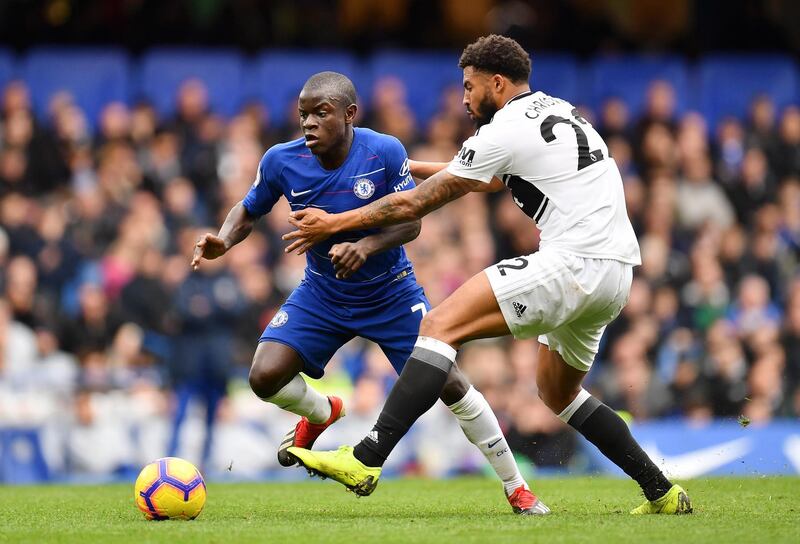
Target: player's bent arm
x: 347, y: 257
x: 237, y: 226
x: 390, y: 237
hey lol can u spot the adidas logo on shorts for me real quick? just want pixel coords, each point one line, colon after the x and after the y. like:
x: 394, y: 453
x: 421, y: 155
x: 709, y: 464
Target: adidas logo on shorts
x: 519, y: 308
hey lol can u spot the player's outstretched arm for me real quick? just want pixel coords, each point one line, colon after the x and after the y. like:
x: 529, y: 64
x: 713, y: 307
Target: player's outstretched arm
x: 314, y: 225
x: 424, y: 169
x: 348, y: 257
x: 238, y: 224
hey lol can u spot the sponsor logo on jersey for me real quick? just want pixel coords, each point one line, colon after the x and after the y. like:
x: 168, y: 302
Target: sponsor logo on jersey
x: 466, y: 156
x: 519, y: 308
x: 403, y: 184
x: 364, y: 188
x: 279, y: 319
x: 405, y: 169
x: 298, y: 193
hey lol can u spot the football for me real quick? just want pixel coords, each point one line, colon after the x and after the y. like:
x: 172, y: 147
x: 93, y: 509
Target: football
x: 170, y: 488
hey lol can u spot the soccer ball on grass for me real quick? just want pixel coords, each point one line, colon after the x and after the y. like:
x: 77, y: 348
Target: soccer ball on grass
x: 170, y: 488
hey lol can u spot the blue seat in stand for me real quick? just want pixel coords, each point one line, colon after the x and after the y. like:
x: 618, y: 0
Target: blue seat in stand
x: 94, y: 77
x: 557, y: 75
x: 629, y: 77
x: 7, y: 66
x: 728, y: 83
x: 426, y: 75
x: 278, y: 75
x: 163, y: 70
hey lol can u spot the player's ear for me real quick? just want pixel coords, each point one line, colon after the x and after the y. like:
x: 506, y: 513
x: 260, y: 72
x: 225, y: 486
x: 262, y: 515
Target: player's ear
x: 498, y: 83
x: 350, y: 113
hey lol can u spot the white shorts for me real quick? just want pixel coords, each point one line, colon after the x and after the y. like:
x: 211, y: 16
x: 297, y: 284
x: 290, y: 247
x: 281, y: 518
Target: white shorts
x: 565, y: 300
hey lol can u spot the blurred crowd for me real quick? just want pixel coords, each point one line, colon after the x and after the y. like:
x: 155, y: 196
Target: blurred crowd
x: 108, y: 338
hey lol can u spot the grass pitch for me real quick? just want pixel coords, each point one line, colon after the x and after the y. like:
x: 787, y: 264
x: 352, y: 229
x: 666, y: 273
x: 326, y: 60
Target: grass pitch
x: 460, y: 510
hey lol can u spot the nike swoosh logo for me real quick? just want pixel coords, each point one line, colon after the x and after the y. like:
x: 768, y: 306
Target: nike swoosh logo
x: 301, y: 192
x: 493, y: 444
x: 698, y: 462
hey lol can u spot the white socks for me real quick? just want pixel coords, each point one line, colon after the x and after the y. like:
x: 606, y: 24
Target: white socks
x: 298, y: 398
x: 480, y: 425
x: 582, y: 396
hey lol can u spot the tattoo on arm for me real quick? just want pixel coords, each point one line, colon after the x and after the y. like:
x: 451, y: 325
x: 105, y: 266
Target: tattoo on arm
x: 418, y: 202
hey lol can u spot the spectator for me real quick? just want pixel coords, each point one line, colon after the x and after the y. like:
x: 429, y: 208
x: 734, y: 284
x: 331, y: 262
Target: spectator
x: 206, y: 305
x: 700, y: 199
x: 787, y: 156
x: 752, y: 187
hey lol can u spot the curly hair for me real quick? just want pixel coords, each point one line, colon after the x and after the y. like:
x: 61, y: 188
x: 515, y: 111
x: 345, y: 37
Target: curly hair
x: 497, y: 55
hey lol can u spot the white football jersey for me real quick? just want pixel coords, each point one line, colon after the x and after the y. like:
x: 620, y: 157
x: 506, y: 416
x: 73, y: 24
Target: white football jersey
x: 559, y: 172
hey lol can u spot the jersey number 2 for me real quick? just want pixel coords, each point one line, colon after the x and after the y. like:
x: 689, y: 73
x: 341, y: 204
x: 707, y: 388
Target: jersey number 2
x: 585, y: 157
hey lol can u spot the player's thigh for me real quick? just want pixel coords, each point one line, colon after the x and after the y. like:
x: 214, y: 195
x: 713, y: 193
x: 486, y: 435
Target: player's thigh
x: 606, y: 287
x: 536, y: 293
x: 311, y: 327
x: 470, y: 313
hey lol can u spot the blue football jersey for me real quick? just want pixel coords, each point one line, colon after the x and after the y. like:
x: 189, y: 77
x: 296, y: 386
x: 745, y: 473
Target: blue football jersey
x: 376, y: 165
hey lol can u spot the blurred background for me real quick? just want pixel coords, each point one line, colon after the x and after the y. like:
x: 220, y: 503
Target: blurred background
x: 129, y: 127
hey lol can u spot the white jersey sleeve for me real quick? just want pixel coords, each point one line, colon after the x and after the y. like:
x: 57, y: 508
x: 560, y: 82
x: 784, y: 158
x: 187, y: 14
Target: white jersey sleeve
x: 480, y: 159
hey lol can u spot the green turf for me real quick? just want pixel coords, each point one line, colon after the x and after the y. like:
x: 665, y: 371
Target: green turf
x: 463, y: 510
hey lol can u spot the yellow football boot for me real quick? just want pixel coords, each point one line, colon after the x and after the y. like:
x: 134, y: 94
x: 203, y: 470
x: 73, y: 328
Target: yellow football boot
x: 340, y: 465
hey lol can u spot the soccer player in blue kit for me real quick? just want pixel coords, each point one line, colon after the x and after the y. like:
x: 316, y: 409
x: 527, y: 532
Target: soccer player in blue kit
x: 357, y: 284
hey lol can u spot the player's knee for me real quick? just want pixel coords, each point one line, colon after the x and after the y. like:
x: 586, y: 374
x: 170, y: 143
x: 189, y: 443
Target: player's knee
x: 435, y: 325
x: 546, y: 394
x: 555, y: 396
x: 267, y: 379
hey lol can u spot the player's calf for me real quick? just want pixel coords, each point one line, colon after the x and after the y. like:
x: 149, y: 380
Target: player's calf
x: 275, y: 378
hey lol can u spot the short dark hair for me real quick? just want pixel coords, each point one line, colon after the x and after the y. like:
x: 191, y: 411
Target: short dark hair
x: 497, y: 55
x: 337, y: 85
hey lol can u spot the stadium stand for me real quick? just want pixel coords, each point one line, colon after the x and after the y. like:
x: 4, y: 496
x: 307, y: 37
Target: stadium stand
x: 163, y: 70
x: 278, y: 76
x: 93, y: 77
x: 727, y: 84
x: 95, y: 229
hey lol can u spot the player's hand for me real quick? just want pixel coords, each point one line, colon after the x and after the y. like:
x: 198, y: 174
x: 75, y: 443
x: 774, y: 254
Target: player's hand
x: 313, y: 226
x: 347, y: 258
x: 207, y: 247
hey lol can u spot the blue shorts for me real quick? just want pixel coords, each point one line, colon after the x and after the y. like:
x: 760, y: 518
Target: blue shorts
x: 316, y: 327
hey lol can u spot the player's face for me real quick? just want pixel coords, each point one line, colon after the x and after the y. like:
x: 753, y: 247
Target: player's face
x: 478, y: 96
x: 324, y: 121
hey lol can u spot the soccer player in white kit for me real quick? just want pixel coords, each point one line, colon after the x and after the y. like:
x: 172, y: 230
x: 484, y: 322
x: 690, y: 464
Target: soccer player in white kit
x: 560, y: 174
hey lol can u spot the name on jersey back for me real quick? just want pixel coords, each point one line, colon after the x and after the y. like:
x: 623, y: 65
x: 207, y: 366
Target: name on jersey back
x: 534, y: 108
